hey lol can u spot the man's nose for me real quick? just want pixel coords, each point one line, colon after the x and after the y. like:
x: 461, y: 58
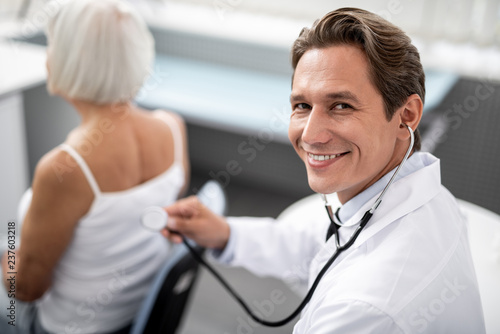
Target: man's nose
x: 316, y: 130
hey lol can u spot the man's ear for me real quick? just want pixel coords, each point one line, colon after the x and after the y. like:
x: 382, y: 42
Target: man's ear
x: 410, y: 114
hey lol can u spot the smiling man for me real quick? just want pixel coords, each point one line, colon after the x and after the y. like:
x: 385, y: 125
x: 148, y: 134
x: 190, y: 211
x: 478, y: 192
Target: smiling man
x: 357, y: 90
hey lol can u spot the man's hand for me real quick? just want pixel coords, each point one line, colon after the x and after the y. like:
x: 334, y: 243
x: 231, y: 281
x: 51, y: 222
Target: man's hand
x: 192, y: 219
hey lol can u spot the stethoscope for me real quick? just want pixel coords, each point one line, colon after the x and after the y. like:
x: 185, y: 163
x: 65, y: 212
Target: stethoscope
x: 155, y: 218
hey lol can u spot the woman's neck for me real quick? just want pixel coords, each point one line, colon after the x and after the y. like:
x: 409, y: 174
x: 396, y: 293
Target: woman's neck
x: 90, y: 112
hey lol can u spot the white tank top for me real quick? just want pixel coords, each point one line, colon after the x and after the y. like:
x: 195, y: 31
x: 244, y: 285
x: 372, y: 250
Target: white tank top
x: 107, y: 269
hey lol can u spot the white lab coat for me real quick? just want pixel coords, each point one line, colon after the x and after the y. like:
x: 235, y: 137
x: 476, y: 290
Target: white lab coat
x: 409, y: 271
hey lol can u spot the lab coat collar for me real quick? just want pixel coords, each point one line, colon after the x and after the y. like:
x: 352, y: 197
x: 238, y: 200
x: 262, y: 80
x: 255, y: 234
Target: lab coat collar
x: 415, y: 162
x: 403, y: 196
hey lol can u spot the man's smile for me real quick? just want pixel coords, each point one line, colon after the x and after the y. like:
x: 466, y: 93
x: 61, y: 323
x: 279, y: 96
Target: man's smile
x: 323, y: 157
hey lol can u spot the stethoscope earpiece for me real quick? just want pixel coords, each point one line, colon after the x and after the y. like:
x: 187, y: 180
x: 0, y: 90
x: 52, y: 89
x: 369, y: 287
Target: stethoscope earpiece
x: 408, y: 127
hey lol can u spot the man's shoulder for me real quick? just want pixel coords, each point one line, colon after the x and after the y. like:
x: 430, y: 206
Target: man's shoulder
x: 408, y: 254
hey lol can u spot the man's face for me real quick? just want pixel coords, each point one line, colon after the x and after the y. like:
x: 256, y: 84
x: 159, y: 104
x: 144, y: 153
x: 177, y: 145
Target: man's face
x: 338, y: 125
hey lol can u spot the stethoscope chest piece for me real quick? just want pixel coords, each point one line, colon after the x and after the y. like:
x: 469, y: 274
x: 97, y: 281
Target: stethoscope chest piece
x: 154, y: 218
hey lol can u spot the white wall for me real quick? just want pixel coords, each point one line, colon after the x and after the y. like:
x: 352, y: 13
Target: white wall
x: 8, y: 7
x: 14, y: 163
x: 461, y: 36
x: 476, y: 21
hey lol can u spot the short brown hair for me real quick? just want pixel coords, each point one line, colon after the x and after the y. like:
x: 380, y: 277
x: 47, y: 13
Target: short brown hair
x: 395, y: 67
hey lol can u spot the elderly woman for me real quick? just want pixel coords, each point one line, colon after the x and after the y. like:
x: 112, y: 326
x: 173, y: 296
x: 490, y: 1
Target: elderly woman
x: 83, y: 255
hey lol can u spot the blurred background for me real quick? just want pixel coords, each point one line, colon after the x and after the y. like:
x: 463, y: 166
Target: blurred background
x: 224, y: 66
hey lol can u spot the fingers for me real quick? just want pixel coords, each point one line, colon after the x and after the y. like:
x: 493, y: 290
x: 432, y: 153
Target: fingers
x: 184, y: 208
x: 180, y: 218
x: 174, y: 237
x: 193, y: 220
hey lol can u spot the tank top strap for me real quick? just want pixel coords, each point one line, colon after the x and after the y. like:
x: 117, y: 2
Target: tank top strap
x: 84, y: 167
x: 176, y: 133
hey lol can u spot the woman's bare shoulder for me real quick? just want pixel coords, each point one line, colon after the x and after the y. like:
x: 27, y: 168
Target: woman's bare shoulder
x: 165, y: 115
x: 59, y: 177
x: 55, y: 168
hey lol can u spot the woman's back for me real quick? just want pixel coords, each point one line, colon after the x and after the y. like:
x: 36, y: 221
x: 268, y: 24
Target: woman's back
x: 100, y: 281
x: 126, y: 148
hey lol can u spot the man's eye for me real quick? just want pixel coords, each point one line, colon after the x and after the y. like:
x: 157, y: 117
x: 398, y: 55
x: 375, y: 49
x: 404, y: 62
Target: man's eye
x: 342, y: 106
x: 302, y: 106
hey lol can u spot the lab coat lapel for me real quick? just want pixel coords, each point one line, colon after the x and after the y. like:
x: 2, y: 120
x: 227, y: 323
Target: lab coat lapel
x: 403, y: 197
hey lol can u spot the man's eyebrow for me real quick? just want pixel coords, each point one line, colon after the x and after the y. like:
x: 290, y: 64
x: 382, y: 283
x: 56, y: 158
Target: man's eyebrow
x: 342, y: 95
x: 296, y: 97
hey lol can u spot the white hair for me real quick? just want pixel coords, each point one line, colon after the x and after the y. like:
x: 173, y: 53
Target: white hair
x: 99, y: 51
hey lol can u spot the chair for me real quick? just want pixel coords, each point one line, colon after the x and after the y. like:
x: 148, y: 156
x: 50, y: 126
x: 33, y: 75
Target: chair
x: 162, y: 310
x: 484, y: 238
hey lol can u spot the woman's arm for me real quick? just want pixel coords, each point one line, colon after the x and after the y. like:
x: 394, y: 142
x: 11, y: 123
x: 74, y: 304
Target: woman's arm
x: 61, y: 196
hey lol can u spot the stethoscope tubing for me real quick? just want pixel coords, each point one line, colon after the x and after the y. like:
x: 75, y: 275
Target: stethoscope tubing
x: 310, y: 292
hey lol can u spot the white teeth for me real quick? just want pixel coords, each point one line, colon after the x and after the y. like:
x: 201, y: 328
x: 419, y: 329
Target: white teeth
x: 323, y: 157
